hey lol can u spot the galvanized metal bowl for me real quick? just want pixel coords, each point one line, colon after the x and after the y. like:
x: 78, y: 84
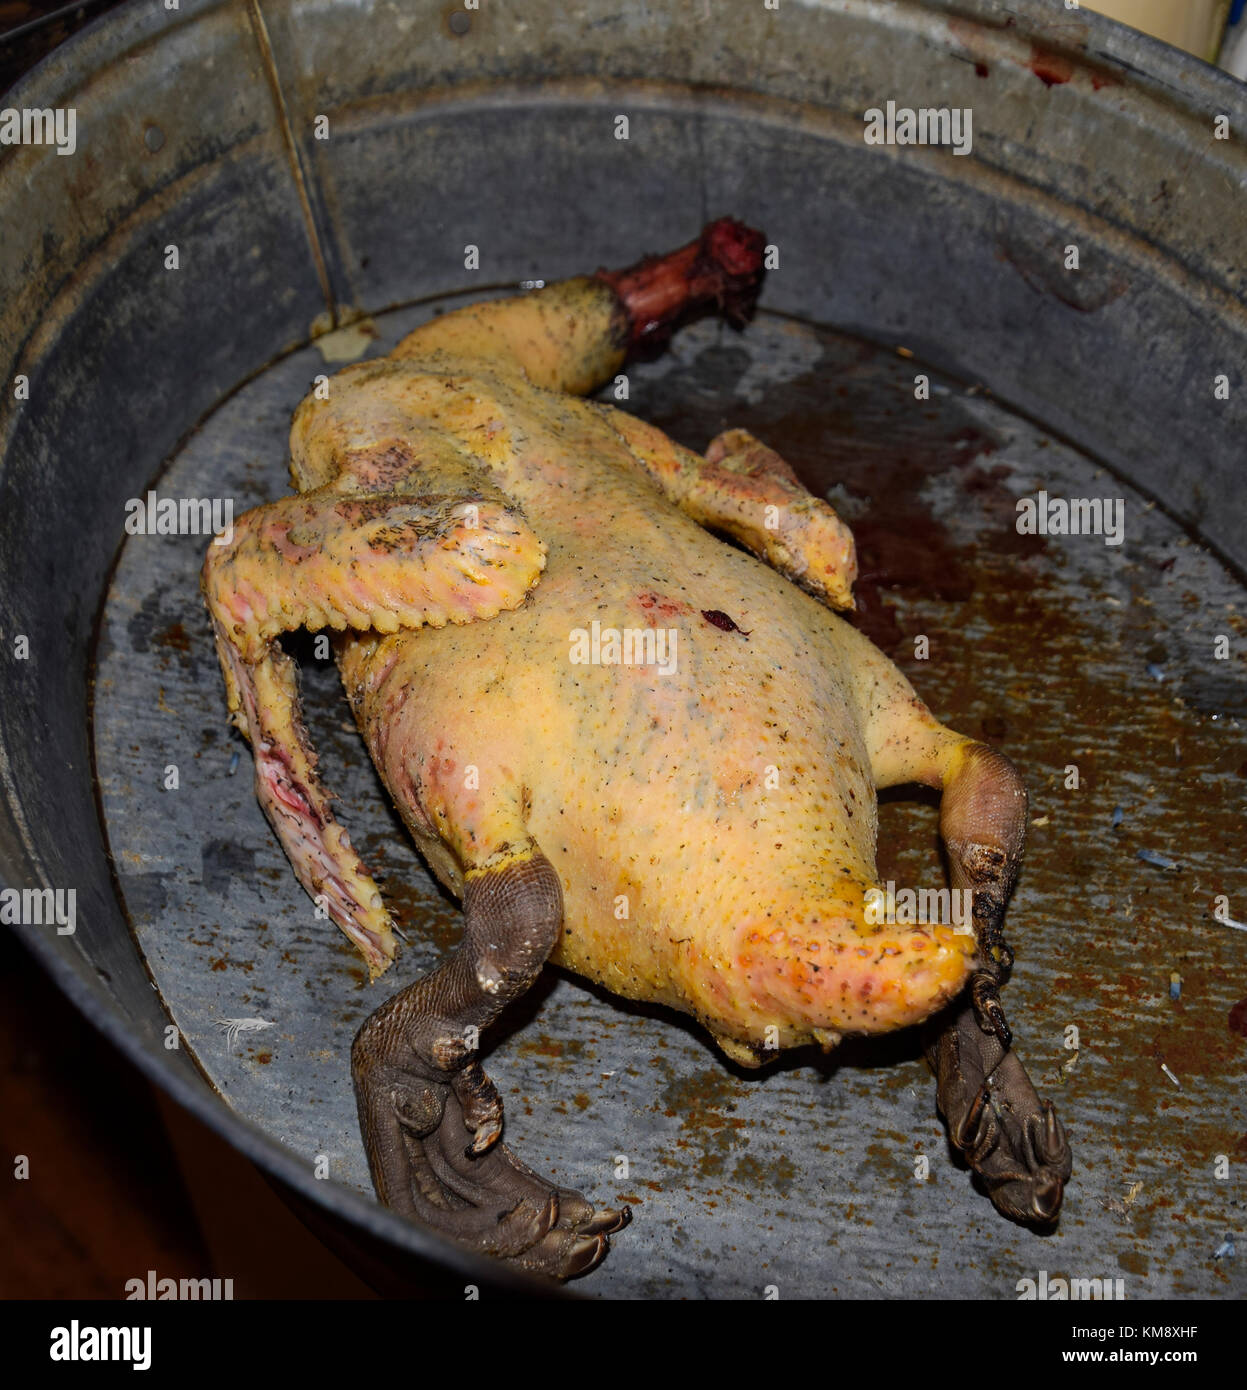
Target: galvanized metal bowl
x: 201, y: 130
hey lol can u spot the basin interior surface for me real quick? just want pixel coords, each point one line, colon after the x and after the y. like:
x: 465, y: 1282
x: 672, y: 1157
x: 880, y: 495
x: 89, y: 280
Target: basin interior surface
x: 1091, y: 664
x: 313, y: 161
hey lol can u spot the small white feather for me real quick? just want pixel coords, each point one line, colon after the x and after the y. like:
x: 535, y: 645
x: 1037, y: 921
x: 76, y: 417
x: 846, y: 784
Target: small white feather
x: 234, y: 1026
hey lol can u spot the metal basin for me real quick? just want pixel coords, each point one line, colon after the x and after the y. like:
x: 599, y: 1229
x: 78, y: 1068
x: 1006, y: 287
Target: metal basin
x: 198, y: 130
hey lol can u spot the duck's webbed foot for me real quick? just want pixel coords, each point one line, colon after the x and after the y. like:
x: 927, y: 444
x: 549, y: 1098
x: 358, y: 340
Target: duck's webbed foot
x: 430, y: 1116
x: 1011, y: 1138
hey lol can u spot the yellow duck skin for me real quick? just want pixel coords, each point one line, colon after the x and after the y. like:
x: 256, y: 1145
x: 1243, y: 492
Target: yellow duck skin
x: 631, y: 748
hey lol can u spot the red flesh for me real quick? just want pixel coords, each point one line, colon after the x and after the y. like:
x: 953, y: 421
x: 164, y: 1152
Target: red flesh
x: 722, y: 268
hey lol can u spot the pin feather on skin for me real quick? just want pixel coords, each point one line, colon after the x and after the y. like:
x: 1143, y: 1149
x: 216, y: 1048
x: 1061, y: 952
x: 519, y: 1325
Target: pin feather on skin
x: 460, y: 510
